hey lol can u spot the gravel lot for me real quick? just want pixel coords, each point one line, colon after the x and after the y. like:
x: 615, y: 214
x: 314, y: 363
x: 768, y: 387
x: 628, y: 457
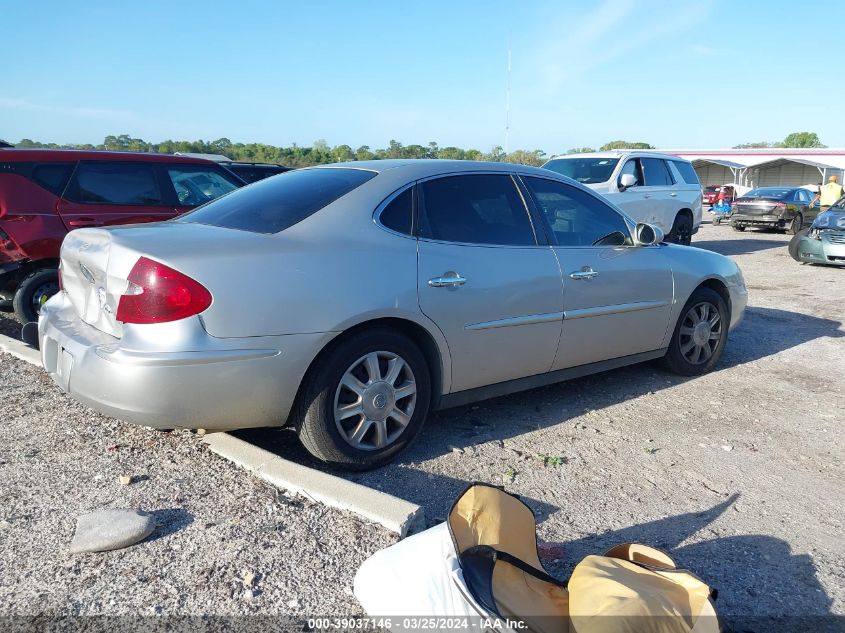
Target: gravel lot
x: 739, y: 473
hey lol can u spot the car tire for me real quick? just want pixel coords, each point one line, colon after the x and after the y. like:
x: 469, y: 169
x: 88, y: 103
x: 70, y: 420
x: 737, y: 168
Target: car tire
x: 795, y: 225
x: 681, y: 232
x: 378, y: 422
x: 690, y: 353
x: 737, y: 227
x: 794, y: 242
x: 33, y: 291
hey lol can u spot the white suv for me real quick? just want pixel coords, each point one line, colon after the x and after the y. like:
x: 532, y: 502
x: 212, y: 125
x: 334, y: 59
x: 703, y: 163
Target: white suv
x: 659, y: 189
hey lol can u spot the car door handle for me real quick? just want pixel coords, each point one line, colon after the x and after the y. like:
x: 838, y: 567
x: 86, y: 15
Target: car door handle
x: 585, y: 274
x: 84, y: 221
x: 448, y: 280
x: 646, y: 195
x: 674, y: 195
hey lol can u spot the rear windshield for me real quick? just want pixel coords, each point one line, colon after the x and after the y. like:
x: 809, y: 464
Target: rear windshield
x: 586, y: 170
x: 274, y: 204
x: 777, y: 194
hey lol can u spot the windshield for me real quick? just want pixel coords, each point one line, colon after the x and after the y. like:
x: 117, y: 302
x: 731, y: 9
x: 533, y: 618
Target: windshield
x: 712, y: 189
x: 274, y: 204
x: 831, y: 219
x: 585, y: 170
x: 768, y: 192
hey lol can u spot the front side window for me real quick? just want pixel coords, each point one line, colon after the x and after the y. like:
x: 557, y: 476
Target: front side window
x: 197, y: 184
x: 275, y: 204
x: 475, y: 209
x: 589, y: 171
x: 632, y: 167
x: 687, y: 172
x: 576, y: 217
x: 655, y: 172
x: 116, y: 183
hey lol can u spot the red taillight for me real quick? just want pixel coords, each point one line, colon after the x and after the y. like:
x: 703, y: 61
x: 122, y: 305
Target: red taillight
x: 158, y: 294
x: 780, y: 205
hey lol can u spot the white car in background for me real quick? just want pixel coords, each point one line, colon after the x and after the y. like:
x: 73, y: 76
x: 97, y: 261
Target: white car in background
x: 658, y: 189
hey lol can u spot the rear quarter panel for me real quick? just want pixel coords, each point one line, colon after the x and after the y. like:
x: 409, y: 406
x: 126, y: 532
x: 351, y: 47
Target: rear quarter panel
x: 28, y: 215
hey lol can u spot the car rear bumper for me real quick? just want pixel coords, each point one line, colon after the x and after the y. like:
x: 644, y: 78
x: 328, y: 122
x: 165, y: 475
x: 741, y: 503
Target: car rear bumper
x: 232, y: 383
x: 768, y: 221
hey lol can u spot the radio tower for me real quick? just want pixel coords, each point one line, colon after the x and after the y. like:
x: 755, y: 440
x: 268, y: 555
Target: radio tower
x: 508, y: 99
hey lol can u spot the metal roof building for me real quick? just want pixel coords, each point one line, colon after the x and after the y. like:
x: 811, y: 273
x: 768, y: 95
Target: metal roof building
x: 766, y: 166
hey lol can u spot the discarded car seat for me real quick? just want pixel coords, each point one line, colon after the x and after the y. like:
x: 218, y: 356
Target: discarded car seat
x: 483, y: 562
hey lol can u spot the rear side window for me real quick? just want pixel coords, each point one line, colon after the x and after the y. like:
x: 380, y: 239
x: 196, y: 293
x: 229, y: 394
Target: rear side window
x: 655, y: 172
x: 115, y: 183
x: 397, y: 215
x: 688, y: 173
x: 197, y: 184
x: 52, y: 176
x: 274, y: 204
x: 475, y: 209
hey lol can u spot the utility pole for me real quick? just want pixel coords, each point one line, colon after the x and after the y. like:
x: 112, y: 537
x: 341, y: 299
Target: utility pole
x: 508, y: 99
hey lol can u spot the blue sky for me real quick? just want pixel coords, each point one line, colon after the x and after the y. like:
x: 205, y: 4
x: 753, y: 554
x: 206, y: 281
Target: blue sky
x: 706, y: 73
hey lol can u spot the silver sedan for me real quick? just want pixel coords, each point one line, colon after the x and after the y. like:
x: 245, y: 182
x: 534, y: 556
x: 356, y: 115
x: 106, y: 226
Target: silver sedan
x: 350, y: 300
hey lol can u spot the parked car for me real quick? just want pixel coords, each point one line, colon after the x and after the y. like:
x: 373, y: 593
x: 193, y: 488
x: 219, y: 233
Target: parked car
x: 823, y: 242
x: 253, y: 172
x: 246, y: 171
x: 46, y: 193
x: 710, y: 194
x: 349, y: 300
x: 654, y: 188
x: 784, y: 208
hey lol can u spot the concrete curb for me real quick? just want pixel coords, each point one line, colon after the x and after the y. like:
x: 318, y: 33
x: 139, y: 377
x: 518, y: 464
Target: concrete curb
x: 19, y: 349
x: 397, y: 515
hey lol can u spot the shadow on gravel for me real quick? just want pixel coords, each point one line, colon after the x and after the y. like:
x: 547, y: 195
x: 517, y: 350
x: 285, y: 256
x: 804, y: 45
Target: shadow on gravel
x: 767, y: 331
x: 759, y: 579
x: 169, y: 521
x: 435, y: 493
x: 740, y: 247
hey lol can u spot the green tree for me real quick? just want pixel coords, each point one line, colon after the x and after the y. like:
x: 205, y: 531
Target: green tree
x: 364, y: 153
x: 523, y: 157
x: 624, y: 145
x: 802, y: 139
x: 342, y: 153
x: 580, y: 150
x: 451, y: 153
x: 496, y: 154
x: 757, y: 145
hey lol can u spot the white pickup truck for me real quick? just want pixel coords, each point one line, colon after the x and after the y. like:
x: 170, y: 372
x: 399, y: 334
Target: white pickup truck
x: 659, y: 189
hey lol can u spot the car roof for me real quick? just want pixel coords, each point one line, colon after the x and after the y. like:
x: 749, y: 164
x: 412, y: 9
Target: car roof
x: 619, y: 153
x: 43, y: 154
x: 423, y: 167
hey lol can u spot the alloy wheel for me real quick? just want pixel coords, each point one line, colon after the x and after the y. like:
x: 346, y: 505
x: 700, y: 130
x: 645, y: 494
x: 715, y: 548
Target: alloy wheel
x: 375, y: 400
x: 701, y: 331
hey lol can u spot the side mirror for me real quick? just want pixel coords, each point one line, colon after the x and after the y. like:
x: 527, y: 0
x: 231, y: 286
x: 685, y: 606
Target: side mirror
x: 626, y: 181
x: 647, y: 234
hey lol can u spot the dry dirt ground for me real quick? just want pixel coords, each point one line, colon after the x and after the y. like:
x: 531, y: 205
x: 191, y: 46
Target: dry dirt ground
x: 738, y: 473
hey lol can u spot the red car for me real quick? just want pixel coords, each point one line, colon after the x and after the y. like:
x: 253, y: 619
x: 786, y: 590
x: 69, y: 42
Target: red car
x: 710, y: 195
x: 46, y: 193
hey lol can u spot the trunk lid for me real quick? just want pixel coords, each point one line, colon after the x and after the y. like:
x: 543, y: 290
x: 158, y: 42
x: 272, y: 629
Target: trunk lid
x: 757, y: 206
x: 96, y: 262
